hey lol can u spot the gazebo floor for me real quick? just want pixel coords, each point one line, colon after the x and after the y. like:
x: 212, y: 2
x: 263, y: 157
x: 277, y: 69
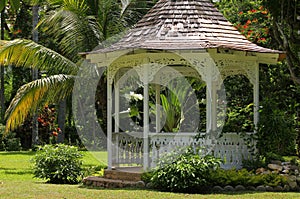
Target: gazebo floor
x: 117, y: 178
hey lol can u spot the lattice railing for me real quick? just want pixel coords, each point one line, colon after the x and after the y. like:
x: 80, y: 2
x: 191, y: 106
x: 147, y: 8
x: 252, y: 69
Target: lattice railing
x: 128, y: 147
x: 232, y: 149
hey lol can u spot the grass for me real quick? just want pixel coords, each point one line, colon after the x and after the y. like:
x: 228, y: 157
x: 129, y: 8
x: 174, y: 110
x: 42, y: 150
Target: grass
x: 16, y: 181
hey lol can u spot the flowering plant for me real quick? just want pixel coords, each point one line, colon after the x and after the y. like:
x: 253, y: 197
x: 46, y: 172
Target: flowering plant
x: 47, y: 127
x: 254, y: 24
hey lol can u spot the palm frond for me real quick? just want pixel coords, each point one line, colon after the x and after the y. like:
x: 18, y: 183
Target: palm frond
x: 72, y: 29
x: 2, y: 43
x: 31, y: 95
x: 26, y: 53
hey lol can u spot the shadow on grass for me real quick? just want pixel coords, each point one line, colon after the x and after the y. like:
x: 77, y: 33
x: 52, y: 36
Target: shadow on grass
x: 6, y: 169
x: 17, y: 172
x: 81, y: 186
x: 237, y: 193
x: 12, y: 153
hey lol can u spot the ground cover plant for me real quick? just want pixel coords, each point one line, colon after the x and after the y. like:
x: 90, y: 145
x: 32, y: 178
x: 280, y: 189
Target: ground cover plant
x: 221, y: 177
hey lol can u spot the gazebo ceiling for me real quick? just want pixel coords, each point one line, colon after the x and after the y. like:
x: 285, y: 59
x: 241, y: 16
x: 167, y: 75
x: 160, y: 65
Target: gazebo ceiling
x: 184, y: 24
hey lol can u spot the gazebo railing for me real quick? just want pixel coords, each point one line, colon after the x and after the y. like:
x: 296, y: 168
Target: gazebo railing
x: 128, y: 147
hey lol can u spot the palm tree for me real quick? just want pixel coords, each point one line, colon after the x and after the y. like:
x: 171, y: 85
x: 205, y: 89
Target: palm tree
x: 75, y: 28
x: 15, y: 5
x: 53, y: 88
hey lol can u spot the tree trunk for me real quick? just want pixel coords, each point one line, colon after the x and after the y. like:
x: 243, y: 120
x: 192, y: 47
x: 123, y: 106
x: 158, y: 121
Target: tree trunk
x: 35, y: 38
x: 61, y: 120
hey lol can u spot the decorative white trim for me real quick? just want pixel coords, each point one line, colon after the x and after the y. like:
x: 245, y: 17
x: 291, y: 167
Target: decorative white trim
x: 231, y: 147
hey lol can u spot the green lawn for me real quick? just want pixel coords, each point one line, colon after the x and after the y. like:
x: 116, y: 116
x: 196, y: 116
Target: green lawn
x: 16, y: 181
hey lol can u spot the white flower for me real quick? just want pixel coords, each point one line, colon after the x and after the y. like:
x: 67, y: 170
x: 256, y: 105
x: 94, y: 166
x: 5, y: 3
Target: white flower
x: 135, y: 96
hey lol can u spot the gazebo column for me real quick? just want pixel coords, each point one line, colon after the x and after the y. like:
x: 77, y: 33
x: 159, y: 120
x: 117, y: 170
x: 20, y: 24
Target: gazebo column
x: 211, y: 100
x: 117, y: 117
x: 146, y: 120
x: 208, y: 106
x: 157, y: 104
x: 211, y: 106
x: 256, y: 97
x: 117, y: 106
x: 214, y: 106
x: 109, y: 123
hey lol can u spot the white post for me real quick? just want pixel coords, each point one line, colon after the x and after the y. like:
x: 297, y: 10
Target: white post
x: 214, y: 106
x: 208, y: 106
x: 117, y: 119
x: 157, y: 104
x: 256, y: 97
x: 109, y: 123
x: 146, y: 120
x: 117, y: 106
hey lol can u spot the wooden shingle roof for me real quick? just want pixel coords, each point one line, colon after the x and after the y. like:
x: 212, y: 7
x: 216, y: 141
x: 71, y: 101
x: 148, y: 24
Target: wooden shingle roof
x: 184, y: 24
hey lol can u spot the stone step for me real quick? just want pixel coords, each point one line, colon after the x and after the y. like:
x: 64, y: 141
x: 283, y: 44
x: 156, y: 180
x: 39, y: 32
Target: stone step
x: 110, y: 183
x: 129, y: 174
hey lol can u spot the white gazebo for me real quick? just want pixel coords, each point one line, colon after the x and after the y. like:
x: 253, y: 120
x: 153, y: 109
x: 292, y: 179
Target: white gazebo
x: 186, y: 37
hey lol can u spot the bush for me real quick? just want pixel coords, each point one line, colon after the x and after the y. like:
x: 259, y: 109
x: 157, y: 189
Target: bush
x: 94, y: 170
x: 184, y: 171
x: 59, y: 164
x: 9, y: 142
x: 255, y: 163
x: 146, y: 176
x: 246, y: 178
x: 276, y: 132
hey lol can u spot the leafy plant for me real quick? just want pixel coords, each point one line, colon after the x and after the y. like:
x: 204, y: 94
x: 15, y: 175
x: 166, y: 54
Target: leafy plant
x: 253, y: 164
x: 184, y: 171
x: 146, y: 176
x: 246, y: 178
x: 9, y: 142
x: 59, y: 164
x: 272, y: 156
x: 276, y: 133
x: 94, y: 170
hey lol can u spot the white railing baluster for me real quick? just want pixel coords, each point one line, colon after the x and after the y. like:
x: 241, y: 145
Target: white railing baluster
x: 230, y: 147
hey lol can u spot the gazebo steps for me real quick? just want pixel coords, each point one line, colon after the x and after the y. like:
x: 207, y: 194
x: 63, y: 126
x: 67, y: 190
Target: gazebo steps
x: 124, y: 173
x: 117, y: 178
x: 110, y: 183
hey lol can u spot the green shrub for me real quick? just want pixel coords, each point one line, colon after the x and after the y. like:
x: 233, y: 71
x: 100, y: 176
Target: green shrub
x: 146, y: 176
x: 13, y: 144
x: 9, y: 142
x: 184, y: 171
x: 59, y: 164
x: 253, y: 164
x: 93, y: 170
x: 231, y: 177
x: 276, y: 130
x: 269, y: 157
x: 246, y: 178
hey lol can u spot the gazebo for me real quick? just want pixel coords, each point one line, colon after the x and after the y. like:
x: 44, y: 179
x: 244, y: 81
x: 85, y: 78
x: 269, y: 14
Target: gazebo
x: 186, y: 37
